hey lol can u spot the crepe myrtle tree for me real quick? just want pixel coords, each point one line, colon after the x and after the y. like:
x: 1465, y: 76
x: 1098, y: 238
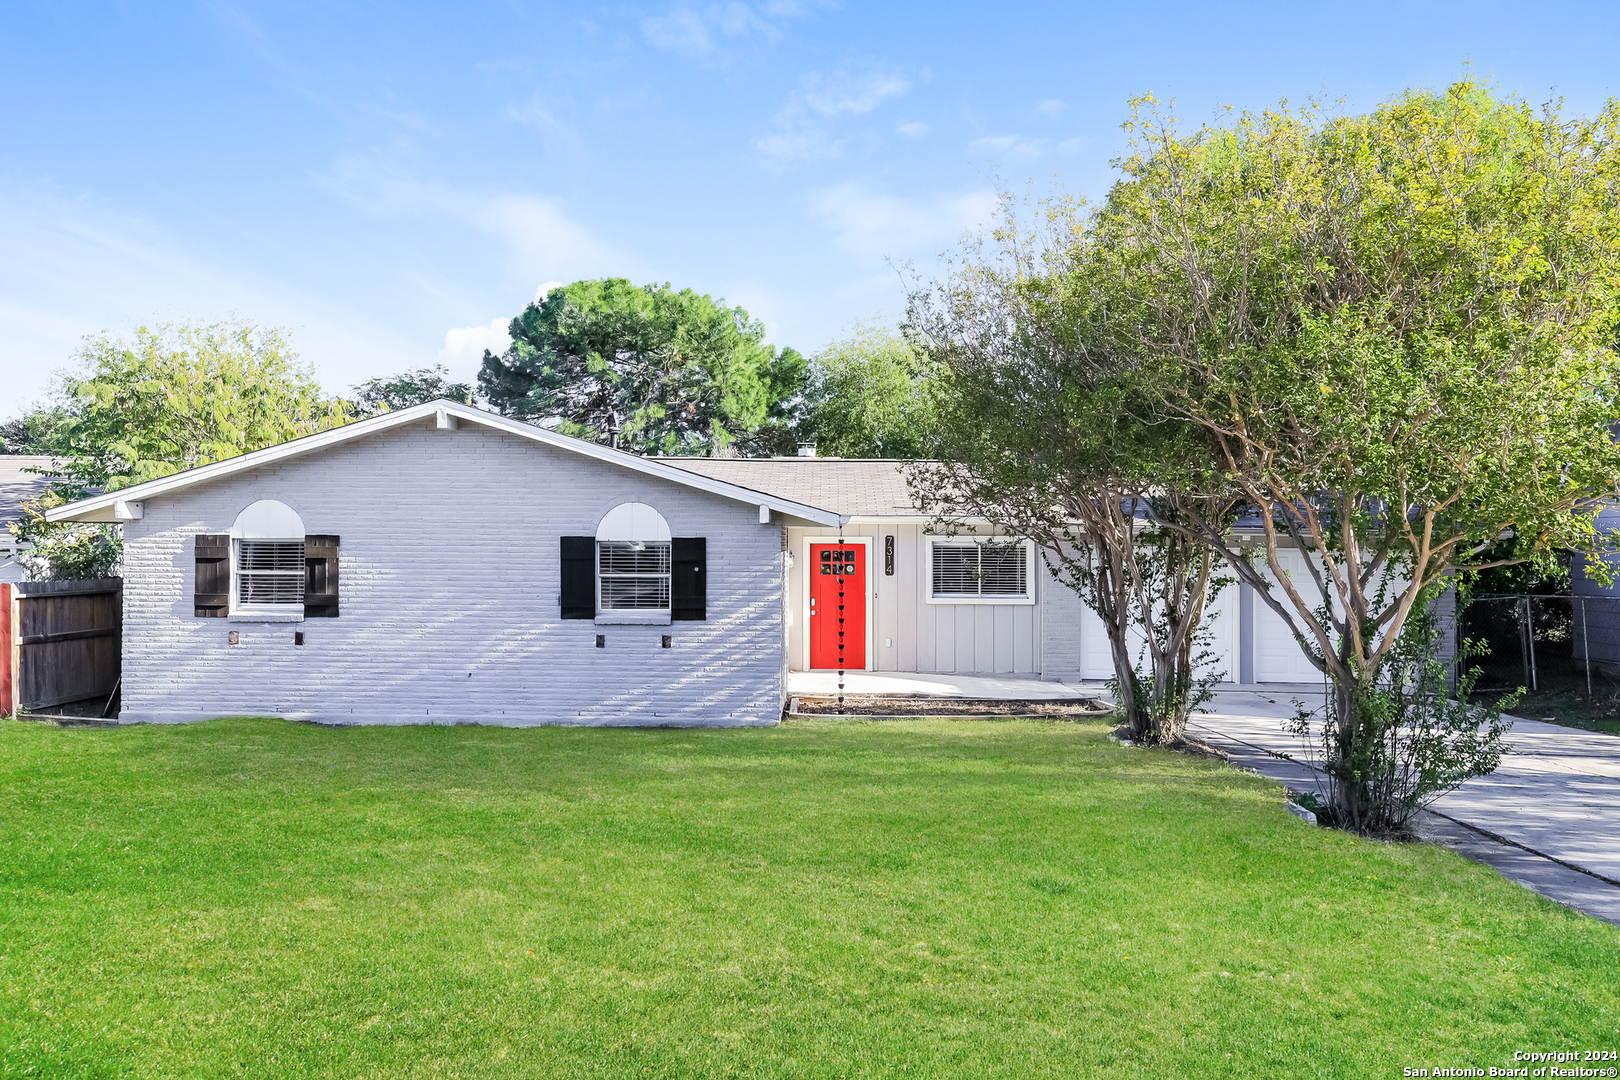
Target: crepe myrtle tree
x: 648, y: 369
x: 1397, y: 331
x: 1039, y: 431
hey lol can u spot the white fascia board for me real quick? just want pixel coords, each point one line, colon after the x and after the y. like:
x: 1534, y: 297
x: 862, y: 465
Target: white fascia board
x: 891, y: 519
x: 100, y: 507
x: 914, y: 519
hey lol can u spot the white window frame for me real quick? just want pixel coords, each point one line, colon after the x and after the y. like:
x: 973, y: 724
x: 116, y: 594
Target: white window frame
x: 276, y: 611
x: 871, y: 605
x: 635, y: 522
x: 1030, y: 570
x: 274, y: 522
x: 667, y: 575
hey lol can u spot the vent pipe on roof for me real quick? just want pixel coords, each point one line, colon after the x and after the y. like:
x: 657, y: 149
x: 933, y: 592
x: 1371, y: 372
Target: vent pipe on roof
x: 807, y: 449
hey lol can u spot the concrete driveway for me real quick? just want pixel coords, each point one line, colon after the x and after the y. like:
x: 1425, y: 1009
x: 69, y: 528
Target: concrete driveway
x: 1548, y: 818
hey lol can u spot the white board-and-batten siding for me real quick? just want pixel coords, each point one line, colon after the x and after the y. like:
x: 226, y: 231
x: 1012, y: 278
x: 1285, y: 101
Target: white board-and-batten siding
x: 929, y: 638
x: 449, y: 596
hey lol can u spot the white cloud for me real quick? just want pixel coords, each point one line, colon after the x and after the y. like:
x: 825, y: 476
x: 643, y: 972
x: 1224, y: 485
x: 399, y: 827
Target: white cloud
x: 542, y: 241
x: 869, y: 222
x: 764, y: 302
x: 1050, y: 109
x: 913, y: 129
x: 844, y: 92
x: 1010, y: 146
x: 545, y: 287
x: 799, y: 143
x: 76, y: 266
x: 466, y: 344
x: 799, y: 129
x: 539, y: 113
x: 697, y: 32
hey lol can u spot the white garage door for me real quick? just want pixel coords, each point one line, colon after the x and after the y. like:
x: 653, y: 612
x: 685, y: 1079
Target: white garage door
x: 1220, y: 618
x: 1096, y: 661
x: 1277, y: 656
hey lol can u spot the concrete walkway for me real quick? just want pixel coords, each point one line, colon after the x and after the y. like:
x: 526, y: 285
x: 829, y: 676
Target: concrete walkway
x: 1548, y: 818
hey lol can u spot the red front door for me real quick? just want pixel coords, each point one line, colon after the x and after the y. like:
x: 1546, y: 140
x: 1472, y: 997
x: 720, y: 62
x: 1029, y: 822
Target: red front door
x: 838, y: 606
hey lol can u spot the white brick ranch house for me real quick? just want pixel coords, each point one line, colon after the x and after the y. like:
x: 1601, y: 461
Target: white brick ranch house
x: 441, y: 564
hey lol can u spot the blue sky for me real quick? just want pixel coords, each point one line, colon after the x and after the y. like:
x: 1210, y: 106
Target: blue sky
x: 394, y: 181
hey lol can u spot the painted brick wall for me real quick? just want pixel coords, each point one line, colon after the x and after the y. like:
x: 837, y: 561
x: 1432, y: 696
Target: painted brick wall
x: 450, y: 596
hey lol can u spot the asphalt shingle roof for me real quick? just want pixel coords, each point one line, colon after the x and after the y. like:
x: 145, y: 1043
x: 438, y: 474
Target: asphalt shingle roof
x: 854, y: 487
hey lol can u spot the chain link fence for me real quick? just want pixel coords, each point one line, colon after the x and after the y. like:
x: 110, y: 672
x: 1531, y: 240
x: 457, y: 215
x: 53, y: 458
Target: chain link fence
x: 1541, y: 642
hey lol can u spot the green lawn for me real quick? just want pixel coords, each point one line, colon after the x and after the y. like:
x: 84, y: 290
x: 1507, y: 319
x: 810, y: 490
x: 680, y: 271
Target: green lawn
x: 826, y: 899
x: 1570, y: 706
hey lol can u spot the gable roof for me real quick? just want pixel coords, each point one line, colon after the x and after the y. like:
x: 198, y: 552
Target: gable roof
x: 853, y: 487
x: 18, y: 484
x: 103, y: 507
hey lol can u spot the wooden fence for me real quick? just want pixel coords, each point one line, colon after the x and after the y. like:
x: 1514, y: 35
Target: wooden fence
x: 61, y: 642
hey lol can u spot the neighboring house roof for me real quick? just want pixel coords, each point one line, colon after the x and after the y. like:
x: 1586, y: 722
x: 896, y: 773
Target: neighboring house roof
x: 123, y: 504
x: 852, y: 487
x: 18, y: 484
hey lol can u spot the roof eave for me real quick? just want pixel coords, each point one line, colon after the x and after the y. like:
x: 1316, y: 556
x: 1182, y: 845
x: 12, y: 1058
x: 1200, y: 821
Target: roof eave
x: 102, y: 508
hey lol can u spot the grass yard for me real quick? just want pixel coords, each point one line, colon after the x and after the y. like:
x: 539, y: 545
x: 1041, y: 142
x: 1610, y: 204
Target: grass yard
x: 826, y: 899
x: 1570, y: 706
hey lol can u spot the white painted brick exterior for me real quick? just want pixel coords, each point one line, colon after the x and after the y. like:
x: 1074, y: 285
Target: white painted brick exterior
x: 449, y: 596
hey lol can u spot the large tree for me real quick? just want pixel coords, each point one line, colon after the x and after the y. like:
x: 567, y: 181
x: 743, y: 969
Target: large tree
x: 1397, y: 330
x: 414, y: 387
x: 38, y: 430
x: 1039, y: 429
x: 868, y: 397
x: 648, y: 369
x: 179, y: 395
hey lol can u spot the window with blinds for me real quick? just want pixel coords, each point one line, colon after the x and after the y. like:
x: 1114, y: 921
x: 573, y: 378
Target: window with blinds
x: 989, y: 570
x: 632, y: 576
x: 270, y: 573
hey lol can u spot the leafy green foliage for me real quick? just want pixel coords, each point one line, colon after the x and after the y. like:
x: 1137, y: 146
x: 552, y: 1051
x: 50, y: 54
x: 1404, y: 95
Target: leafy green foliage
x: 1040, y: 429
x: 1396, y: 330
x: 407, y: 388
x: 868, y: 398
x: 1540, y: 573
x: 64, y: 550
x: 180, y: 395
x: 37, y: 431
x: 940, y: 899
x: 651, y: 369
x: 1412, y: 738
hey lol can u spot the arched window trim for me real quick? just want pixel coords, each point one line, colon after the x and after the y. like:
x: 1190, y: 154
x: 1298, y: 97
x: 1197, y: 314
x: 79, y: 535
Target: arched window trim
x: 633, y: 553
x: 268, y: 567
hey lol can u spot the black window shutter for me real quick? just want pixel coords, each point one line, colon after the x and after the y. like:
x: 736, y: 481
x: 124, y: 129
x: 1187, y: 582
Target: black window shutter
x: 578, y: 593
x: 211, y: 586
x: 688, y: 592
x: 320, y: 577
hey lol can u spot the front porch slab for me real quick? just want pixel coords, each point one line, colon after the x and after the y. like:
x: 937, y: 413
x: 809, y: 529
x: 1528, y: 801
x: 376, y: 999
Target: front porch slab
x: 897, y: 683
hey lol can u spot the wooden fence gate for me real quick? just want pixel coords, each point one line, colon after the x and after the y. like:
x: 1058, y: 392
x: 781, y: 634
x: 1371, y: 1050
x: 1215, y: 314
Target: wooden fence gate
x: 61, y: 642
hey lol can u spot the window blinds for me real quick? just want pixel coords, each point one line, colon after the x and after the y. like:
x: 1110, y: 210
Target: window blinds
x: 980, y: 569
x: 270, y: 572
